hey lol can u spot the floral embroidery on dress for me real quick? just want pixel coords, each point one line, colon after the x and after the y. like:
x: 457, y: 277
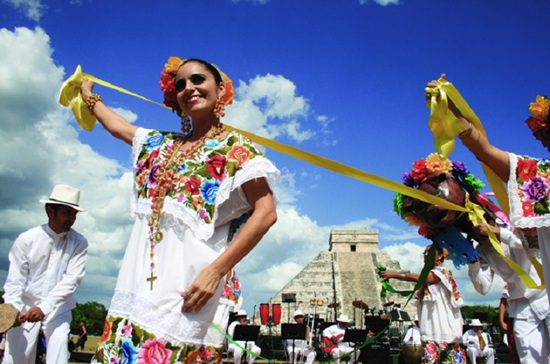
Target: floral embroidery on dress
x: 122, y: 342
x: 434, y: 352
x: 449, y: 277
x: 197, y: 181
x: 232, y: 289
x: 533, y: 179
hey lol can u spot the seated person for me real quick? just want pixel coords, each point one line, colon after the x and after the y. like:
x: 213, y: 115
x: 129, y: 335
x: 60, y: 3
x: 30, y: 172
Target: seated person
x: 241, y: 319
x: 477, y: 343
x: 300, y: 346
x: 412, y: 336
x: 335, y: 334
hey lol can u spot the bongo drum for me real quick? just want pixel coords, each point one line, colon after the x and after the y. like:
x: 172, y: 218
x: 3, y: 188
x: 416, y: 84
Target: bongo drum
x: 264, y: 313
x: 276, y: 311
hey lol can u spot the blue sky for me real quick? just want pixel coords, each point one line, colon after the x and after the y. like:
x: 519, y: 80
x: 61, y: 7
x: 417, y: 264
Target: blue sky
x: 343, y: 79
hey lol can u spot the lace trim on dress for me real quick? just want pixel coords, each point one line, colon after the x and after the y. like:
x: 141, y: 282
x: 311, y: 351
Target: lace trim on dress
x: 517, y: 217
x: 176, y: 328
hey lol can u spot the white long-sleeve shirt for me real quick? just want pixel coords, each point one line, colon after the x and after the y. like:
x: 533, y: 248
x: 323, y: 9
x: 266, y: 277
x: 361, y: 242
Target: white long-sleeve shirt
x: 522, y: 302
x: 45, y: 270
x: 471, y: 335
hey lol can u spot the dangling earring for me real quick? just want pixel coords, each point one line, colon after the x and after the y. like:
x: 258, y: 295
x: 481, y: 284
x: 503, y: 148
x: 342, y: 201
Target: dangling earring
x: 219, y: 108
x: 186, y: 125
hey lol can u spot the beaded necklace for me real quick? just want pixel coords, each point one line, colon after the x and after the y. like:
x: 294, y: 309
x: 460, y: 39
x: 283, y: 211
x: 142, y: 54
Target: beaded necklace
x: 167, y: 171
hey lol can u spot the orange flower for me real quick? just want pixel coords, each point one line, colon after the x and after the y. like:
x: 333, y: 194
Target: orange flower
x: 229, y: 90
x: 173, y: 64
x: 435, y: 165
x: 540, y: 108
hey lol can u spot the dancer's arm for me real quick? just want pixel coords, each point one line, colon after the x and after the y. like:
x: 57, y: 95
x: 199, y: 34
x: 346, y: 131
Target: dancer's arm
x: 263, y: 217
x: 111, y: 121
x: 497, y: 160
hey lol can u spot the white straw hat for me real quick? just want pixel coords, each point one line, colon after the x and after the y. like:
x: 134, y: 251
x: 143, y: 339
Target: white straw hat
x: 298, y: 313
x: 476, y: 322
x: 65, y: 195
x: 343, y: 318
x: 241, y: 313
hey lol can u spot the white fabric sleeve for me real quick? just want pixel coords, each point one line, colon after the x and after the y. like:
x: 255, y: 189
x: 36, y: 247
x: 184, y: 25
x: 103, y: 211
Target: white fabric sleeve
x: 481, y: 276
x: 17, y: 274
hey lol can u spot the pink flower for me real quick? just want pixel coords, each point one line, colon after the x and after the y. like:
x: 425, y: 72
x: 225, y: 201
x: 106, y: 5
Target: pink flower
x: 127, y: 330
x: 154, y: 352
x: 240, y: 154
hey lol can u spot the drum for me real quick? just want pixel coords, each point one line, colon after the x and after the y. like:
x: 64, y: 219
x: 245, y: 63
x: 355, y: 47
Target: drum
x: 276, y: 311
x: 264, y: 313
x: 411, y: 354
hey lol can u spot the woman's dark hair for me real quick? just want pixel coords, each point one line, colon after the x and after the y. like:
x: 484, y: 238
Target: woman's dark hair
x: 213, y: 70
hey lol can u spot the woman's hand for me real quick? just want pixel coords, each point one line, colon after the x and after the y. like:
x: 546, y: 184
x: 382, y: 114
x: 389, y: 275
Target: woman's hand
x: 197, y: 295
x: 386, y: 275
x: 86, y: 88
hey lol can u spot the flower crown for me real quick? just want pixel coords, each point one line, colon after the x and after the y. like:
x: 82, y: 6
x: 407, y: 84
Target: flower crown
x: 422, y: 168
x: 167, y: 84
x: 540, y: 122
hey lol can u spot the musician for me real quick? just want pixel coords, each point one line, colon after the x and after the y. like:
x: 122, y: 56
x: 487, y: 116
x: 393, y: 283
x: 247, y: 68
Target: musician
x: 301, y: 347
x: 241, y: 319
x: 335, y: 335
x: 477, y: 343
x: 412, y: 336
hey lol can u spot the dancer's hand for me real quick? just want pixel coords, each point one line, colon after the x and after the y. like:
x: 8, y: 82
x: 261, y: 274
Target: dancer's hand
x: 197, y: 295
x: 86, y: 88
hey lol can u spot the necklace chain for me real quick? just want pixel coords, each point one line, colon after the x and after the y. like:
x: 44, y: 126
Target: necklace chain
x: 167, y: 171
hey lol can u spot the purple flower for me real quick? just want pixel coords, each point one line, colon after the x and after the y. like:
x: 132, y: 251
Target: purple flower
x: 535, y: 189
x: 460, y: 169
x: 203, y: 214
x: 407, y: 179
x: 152, y: 178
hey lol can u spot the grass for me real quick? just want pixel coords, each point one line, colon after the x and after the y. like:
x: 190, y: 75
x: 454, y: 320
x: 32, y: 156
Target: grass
x: 91, y: 343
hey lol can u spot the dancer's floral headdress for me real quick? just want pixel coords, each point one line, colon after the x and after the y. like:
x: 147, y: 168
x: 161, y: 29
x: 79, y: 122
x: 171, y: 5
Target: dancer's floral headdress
x: 167, y: 84
x: 422, y: 168
x: 460, y: 251
x: 540, y: 122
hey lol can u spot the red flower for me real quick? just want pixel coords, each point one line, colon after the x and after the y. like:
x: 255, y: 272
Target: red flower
x: 216, y: 166
x: 193, y: 185
x: 240, y: 154
x: 527, y: 169
x: 106, y: 332
x: 419, y: 171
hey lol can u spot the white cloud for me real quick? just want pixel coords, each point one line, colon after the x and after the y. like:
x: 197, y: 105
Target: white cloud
x: 265, y: 98
x: 380, y: 2
x: 33, y: 9
x: 40, y: 148
x: 128, y: 115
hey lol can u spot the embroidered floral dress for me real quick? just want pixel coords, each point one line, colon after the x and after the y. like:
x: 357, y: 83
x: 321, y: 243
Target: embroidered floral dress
x: 441, y: 321
x: 529, y: 197
x: 147, y: 325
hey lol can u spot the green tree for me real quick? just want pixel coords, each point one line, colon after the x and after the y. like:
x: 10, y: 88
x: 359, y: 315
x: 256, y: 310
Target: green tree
x: 92, y: 313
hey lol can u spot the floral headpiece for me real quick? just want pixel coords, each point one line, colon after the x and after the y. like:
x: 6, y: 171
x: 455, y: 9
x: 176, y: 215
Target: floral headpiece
x: 422, y: 168
x: 450, y: 239
x: 167, y: 84
x: 539, y: 123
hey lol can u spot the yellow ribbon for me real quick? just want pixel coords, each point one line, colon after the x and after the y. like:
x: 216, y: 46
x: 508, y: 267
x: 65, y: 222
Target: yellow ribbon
x: 445, y: 127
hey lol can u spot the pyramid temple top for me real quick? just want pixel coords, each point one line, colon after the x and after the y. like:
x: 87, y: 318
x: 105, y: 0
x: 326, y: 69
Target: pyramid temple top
x: 353, y: 240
